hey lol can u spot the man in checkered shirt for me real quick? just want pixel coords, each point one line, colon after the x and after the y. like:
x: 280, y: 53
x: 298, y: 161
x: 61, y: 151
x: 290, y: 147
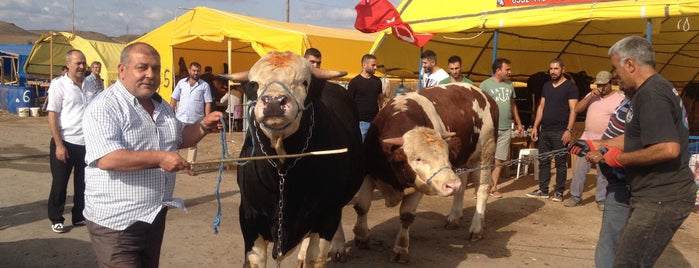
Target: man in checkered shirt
x: 131, y: 138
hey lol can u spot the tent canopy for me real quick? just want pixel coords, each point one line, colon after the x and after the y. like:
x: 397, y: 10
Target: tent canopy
x: 12, y: 60
x: 530, y: 36
x: 204, y: 34
x: 49, y: 53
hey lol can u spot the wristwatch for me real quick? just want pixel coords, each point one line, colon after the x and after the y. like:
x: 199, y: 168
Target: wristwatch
x: 569, y: 130
x: 203, y: 127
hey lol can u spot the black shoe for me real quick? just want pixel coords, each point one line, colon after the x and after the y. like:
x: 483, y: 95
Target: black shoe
x: 79, y: 223
x: 538, y: 194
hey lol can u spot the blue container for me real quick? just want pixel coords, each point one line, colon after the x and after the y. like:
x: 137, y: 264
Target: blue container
x: 19, y: 96
x: 3, y: 97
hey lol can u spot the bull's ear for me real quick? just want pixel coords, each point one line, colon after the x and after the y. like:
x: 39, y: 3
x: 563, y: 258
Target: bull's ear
x: 251, y: 90
x: 446, y: 135
x: 454, y: 145
x: 397, y: 141
x: 315, y: 89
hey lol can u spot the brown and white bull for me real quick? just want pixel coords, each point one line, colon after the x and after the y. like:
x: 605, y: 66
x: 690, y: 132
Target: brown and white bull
x: 285, y: 202
x: 411, y: 148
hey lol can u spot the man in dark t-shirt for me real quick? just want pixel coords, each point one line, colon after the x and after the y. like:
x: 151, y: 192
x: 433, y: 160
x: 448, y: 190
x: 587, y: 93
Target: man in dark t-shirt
x: 556, y: 116
x: 366, y: 91
x: 654, y: 156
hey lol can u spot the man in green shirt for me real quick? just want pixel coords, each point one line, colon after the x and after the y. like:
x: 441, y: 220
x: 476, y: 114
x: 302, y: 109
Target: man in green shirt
x: 455, y: 72
x: 501, y: 89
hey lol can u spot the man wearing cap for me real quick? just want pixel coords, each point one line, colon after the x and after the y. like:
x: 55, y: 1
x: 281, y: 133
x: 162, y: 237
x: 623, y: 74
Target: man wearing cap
x: 600, y: 104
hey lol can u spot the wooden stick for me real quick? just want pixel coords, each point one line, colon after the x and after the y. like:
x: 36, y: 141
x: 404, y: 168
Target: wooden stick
x: 325, y: 152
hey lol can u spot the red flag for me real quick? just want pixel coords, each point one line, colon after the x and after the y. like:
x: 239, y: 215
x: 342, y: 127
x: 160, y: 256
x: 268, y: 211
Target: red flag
x: 376, y: 15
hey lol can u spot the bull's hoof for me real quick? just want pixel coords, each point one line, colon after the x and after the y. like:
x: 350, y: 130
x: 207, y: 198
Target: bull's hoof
x: 451, y: 225
x: 338, y: 256
x: 475, y: 236
x: 403, y: 258
x: 361, y: 244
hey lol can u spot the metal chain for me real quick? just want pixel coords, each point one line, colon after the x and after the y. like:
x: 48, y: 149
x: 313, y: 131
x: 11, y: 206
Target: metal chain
x: 282, y: 180
x: 540, y: 157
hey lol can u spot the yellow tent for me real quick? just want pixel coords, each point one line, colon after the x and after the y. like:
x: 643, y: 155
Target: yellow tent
x: 48, y: 55
x: 578, y: 31
x: 206, y: 36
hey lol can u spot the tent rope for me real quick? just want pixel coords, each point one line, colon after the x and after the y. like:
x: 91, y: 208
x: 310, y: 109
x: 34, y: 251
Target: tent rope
x: 463, y: 38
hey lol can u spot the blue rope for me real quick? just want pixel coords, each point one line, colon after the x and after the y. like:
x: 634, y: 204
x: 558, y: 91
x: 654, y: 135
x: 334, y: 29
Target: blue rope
x: 224, y: 154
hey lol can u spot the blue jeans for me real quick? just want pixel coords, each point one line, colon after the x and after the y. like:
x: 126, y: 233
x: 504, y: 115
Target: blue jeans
x: 363, y: 128
x: 648, y: 230
x: 616, y: 211
x: 549, y: 141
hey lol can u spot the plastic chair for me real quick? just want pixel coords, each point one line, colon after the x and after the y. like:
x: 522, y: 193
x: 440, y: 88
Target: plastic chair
x: 529, y: 154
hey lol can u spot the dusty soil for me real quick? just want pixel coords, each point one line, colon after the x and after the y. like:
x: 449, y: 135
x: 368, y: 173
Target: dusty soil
x: 521, y: 231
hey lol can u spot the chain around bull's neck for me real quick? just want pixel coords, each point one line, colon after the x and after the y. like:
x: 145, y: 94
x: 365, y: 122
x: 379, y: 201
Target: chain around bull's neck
x: 273, y: 162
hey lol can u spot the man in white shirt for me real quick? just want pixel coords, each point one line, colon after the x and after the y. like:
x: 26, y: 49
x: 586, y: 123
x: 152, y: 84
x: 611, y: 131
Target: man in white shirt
x: 191, y: 100
x: 431, y: 73
x: 70, y: 94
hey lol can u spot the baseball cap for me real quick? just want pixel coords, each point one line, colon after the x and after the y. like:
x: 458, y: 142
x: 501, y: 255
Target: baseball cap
x: 603, y: 77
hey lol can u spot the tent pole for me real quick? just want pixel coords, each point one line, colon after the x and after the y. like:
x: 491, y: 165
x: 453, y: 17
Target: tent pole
x: 230, y: 129
x: 51, y: 57
x: 419, y: 71
x: 495, y: 47
x: 649, y: 29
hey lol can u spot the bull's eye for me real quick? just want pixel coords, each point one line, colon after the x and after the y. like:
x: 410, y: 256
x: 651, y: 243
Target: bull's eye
x: 418, y: 160
x: 305, y: 83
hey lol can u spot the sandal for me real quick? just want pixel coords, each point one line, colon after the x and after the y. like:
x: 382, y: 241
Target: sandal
x: 496, y: 194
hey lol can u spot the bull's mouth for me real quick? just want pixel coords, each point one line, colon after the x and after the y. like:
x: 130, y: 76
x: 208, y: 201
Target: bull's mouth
x: 276, y: 122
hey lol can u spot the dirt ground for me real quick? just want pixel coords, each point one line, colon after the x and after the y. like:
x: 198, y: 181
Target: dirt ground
x: 521, y: 231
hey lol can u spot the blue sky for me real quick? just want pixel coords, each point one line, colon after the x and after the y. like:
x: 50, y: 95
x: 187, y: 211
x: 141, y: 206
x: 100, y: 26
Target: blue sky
x: 113, y: 18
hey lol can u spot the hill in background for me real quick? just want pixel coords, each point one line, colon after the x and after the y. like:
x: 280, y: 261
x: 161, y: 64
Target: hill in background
x: 13, y: 34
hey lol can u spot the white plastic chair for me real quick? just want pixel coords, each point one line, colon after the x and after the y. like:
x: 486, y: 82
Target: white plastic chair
x: 528, y: 154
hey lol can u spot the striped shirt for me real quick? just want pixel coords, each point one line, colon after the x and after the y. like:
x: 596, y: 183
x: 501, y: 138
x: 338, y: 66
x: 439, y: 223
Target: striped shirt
x: 115, y: 120
x: 617, y: 120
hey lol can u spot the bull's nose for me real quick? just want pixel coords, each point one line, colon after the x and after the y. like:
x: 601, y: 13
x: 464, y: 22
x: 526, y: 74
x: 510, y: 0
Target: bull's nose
x: 451, y: 187
x: 274, y: 105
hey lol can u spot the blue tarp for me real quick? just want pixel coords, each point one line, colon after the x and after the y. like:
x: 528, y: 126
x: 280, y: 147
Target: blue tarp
x: 21, y: 52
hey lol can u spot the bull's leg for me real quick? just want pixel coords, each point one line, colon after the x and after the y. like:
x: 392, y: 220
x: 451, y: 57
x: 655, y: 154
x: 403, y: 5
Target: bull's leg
x: 407, y: 217
x: 337, y: 246
x: 457, y: 205
x: 302, y: 252
x: 257, y: 256
x: 483, y: 184
x: 317, y: 251
x: 362, y: 203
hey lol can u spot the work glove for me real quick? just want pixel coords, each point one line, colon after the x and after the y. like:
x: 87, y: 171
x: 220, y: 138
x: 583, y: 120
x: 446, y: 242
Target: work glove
x: 613, y: 175
x: 581, y: 147
x: 610, y: 156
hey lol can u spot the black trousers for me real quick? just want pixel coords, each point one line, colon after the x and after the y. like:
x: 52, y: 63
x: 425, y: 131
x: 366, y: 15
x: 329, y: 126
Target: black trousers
x: 61, y: 175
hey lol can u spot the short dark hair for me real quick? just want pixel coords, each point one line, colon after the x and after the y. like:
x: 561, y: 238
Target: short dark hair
x: 429, y: 54
x: 497, y: 64
x: 312, y: 52
x: 454, y: 59
x: 559, y: 61
x: 194, y: 63
x: 367, y: 57
x: 208, y: 69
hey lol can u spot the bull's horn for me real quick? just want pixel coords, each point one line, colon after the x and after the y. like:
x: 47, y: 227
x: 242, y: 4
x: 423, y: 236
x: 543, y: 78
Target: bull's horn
x: 241, y: 76
x: 398, y: 141
x: 447, y: 134
x: 327, y: 74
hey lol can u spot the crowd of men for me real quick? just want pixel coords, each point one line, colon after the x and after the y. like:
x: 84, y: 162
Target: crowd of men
x: 121, y: 145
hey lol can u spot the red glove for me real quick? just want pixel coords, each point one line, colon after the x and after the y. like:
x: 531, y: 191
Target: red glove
x: 611, y: 155
x: 581, y: 147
